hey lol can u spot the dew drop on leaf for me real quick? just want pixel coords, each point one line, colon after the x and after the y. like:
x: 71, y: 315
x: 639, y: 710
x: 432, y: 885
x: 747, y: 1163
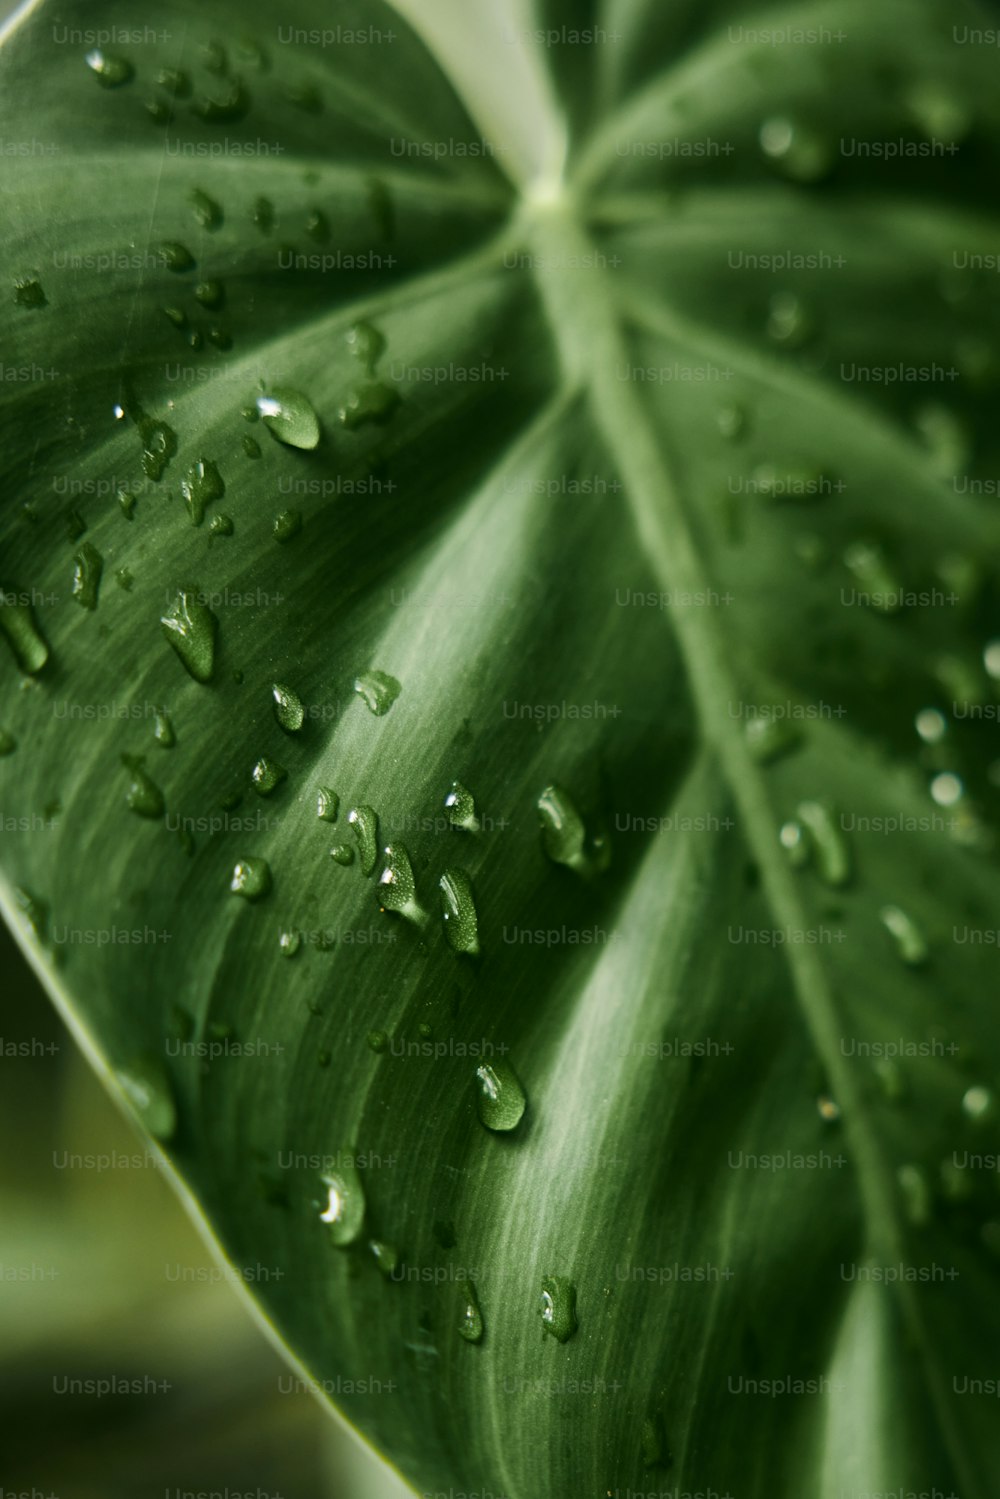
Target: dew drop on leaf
x: 318, y: 226
x: 397, y: 890
x: 35, y: 912
x: 378, y: 690
x: 201, y: 486
x: 558, y: 1307
x: 18, y: 624
x: 251, y: 446
x: 159, y: 444
x: 372, y: 402
x: 910, y: 941
x: 211, y: 294
x: 207, y: 211
x: 500, y: 1100
x: 287, y: 525
x: 367, y: 344
x: 221, y: 525
x: 458, y: 911
x: 916, y: 1193
x: 767, y: 738
x: 251, y: 879
x: 342, y: 853
x: 344, y: 1209
x: 793, y: 840
x: 788, y: 323
x: 190, y: 628
x: 563, y: 830
x: 227, y: 101
x: 289, y: 416
x: 874, y: 575
x: 174, y: 82
x: 461, y: 807
x: 88, y: 565
x: 288, y: 709
x: 163, y: 730
x: 143, y: 797
x: 829, y: 846
x: 378, y: 1042
x: 175, y: 256
x: 327, y: 804
x: 289, y: 942
x: 110, y: 69
x: 28, y: 293
x: 364, y: 821
x: 386, y: 1256
x: 124, y: 579
x: 470, y: 1321
x: 146, y: 1085
x: 267, y: 775
x: 262, y: 214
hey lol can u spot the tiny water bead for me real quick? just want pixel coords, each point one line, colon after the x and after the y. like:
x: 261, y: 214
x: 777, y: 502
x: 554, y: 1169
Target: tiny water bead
x: 397, y: 887
x: 916, y: 1192
x: 289, y: 942
x: 378, y: 1042
x: 386, y: 1256
x: 377, y: 690
x: 558, y: 1307
x: 364, y: 822
x: 458, y: 911
x: 768, y: 738
x: 979, y: 1104
x: 327, y: 804
x: 289, y: 416
x: 788, y: 322
x: 23, y: 636
x: 124, y: 579
x: 35, y: 912
x: 500, y: 1099
x: 318, y: 226
x: 221, y: 525
x: 910, y: 941
x: 88, y: 565
x: 28, y: 293
x: 367, y: 344
x: 267, y: 775
x: 191, y: 628
x: 210, y: 294
x: 870, y: 567
x: 288, y: 709
x: 226, y: 101
x: 373, y: 402
x: 251, y: 446
x: 251, y: 878
x: 470, y: 1320
x: 206, y: 210
x: 175, y: 256
x: 827, y: 842
x: 145, y: 1083
x: 143, y: 797
x: 461, y: 807
x: 75, y: 525
x: 287, y: 525
x: 109, y: 68
x: 344, y: 1210
x: 342, y: 853
x: 163, y: 729
x: 201, y: 486
x: 127, y: 499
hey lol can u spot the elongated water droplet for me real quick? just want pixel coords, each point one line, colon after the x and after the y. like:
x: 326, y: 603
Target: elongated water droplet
x: 221, y: 525
x: 124, y: 579
x: 28, y: 293
x: 288, y: 709
x: 251, y: 879
x: 364, y: 821
x: 910, y: 940
x: 163, y: 730
x: 190, y: 628
x: 367, y: 344
x: 378, y: 690
x: 342, y: 853
x: 397, y: 888
x: 267, y: 775
x: 458, y: 911
x: 470, y: 1320
x: 287, y: 525
x: 767, y: 738
x: 327, y: 804
x: 564, y: 835
x: 143, y: 797
x: 500, y: 1099
x: 110, y: 69
x: 829, y: 846
x: 145, y: 1083
x: 289, y: 416
x: 461, y: 807
x: 558, y: 1307
x: 201, y: 486
x: 206, y: 210
x: 289, y: 942
x: 18, y: 624
x: 386, y: 1256
x: 175, y: 256
x: 344, y: 1209
x: 372, y: 402
x: 88, y: 564
x: 916, y: 1191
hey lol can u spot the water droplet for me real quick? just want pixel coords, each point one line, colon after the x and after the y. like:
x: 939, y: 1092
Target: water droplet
x: 979, y: 1104
x: 828, y: 1109
x: 287, y: 525
x: 378, y: 1042
x: 767, y: 738
x: 88, y: 564
x: 28, y: 293
x: 206, y: 210
x: 372, y: 402
x: 175, y: 256
x: 35, y: 913
x: 397, y: 887
x: 251, y: 879
x: 290, y: 417
x: 159, y: 444
x: 267, y: 775
x: 75, y: 525
x: 829, y: 846
x: 110, y: 69
x: 175, y: 82
x: 289, y: 942
x: 364, y: 821
x: 221, y: 525
x: 251, y: 446
x: 342, y: 853
x: 143, y: 797
x: 787, y: 321
x: 558, y: 1307
x: 793, y: 840
x: 305, y: 96
x: 214, y: 59
x: 228, y: 101
x: 916, y: 1192
x: 318, y: 226
x: 8, y: 744
x: 386, y: 1256
x: 190, y: 628
x: 470, y: 1321
x: 327, y: 804
x: 461, y: 807
x: 458, y: 911
x: 18, y: 624
x: 799, y: 153
x: 163, y: 730
x: 210, y: 294
x: 378, y: 690
x: 288, y: 709
x: 145, y: 1083
x: 202, y: 485
x: 345, y: 1205
x: 367, y: 344
x: 124, y: 579
x: 262, y: 214
x: 176, y: 315
x: 126, y: 500
x: 159, y: 111
x: 876, y: 577
x: 910, y: 940
x: 947, y: 789
x: 931, y: 725
x: 500, y: 1099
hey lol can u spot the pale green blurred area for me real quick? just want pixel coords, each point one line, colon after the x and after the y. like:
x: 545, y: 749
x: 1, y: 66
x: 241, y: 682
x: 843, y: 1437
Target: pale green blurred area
x: 91, y: 1287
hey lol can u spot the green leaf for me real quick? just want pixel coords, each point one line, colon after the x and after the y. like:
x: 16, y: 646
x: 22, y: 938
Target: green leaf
x: 547, y: 486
